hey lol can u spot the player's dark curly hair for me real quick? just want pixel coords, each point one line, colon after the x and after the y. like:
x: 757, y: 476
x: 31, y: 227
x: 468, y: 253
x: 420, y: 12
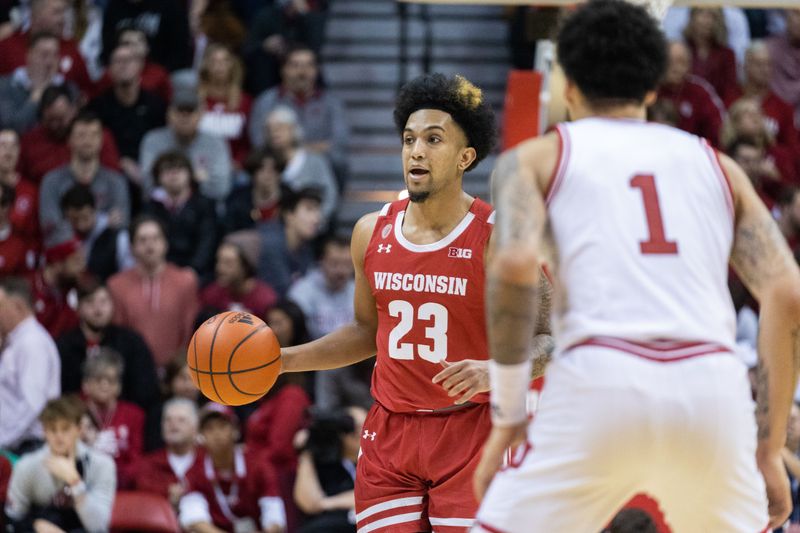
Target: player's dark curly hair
x: 615, y: 52
x: 456, y: 96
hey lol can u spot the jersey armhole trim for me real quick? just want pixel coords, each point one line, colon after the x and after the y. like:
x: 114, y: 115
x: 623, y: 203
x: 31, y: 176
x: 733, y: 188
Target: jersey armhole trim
x: 561, y: 164
x: 385, y: 209
x: 719, y: 170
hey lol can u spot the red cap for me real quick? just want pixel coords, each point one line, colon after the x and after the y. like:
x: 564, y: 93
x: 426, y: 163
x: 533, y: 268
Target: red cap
x: 61, y: 251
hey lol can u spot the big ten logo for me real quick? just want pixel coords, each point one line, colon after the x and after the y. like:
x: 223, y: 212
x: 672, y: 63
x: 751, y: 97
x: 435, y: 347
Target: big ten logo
x: 461, y: 253
x: 244, y: 318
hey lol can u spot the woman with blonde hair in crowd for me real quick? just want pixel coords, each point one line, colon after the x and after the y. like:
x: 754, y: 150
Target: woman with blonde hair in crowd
x: 227, y: 106
x: 746, y: 120
x: 712, y: 59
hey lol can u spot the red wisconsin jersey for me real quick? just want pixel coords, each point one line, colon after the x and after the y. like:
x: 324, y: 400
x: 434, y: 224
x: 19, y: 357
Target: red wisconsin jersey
x: 430, y: 302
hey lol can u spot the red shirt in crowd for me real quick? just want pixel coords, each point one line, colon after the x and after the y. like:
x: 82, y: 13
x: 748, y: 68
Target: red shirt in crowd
x: 718, y: 69
x: 779, y: 116
x: 41, y: 153
x: 120, y: 435
x: 71, y: 65
x: 16, y: 256
x: 699, y: 108
x: 258, y: 301
x: 272, y: 427
x: 25, y: 212
x: 230, y: 124
x: 231, y: 496
x: 155, y: 79
x: 5, y: 476
x: 154, y: 472
x: 55, y: 310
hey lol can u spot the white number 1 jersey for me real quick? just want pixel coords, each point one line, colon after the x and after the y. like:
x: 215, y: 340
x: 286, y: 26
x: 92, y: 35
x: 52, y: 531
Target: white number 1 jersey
x: 642, y: 217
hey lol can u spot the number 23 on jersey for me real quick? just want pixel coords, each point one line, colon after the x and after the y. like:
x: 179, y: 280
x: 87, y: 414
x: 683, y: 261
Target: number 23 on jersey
x: 432, y: 313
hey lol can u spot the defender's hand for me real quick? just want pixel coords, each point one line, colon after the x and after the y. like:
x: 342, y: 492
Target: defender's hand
x: 500, y: 440
x: 464, y: 378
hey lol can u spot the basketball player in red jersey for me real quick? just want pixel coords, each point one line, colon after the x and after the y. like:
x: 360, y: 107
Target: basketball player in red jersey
x: 419, y: 297
x: 644, y: 393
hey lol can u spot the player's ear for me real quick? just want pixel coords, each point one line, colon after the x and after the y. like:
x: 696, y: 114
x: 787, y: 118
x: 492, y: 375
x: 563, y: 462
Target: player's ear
x: 650, y: 98
x: 468, y: 156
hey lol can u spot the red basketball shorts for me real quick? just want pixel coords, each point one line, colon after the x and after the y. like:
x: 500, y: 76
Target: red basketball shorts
x: 415, y: 471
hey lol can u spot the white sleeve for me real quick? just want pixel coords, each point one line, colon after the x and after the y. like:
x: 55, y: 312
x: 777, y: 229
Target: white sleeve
x: 273, y: 512
x: 193, y: 509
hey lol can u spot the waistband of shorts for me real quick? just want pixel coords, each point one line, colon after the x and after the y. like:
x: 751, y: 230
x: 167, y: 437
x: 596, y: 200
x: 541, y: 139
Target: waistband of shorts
x: 432, y: 412
x: 661, y: 351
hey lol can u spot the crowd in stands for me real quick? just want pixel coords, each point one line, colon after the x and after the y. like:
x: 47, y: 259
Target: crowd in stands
x: 165, y: 160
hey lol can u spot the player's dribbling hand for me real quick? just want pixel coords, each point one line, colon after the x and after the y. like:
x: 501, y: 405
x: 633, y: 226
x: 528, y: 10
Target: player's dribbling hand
x: 500, y: 440
x: 464, y: 379
x: 778, y: 492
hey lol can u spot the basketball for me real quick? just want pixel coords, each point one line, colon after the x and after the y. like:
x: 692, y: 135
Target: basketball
x: 234, y: 358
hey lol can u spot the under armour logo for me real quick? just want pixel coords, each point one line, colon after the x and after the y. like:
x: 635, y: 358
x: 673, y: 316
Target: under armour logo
x: 367, y: 434
x: 384, y: 248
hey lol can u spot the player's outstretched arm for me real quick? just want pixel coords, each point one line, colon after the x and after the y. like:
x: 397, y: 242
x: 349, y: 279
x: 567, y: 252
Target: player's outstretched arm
x: 355, y: 341
x: 763, y: 261
x: 512, y: 296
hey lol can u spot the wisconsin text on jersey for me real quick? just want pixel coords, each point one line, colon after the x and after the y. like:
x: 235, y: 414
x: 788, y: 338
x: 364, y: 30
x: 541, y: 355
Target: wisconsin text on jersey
x: 395, y: 281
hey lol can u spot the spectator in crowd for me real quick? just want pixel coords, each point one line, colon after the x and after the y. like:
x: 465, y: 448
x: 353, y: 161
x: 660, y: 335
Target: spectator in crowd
x: 785, y: 53
x: 164, y: 22
x: 178, y: 380
x: 29, y: 368
x: 16, y: 256
x: 326, y: 470
x: 5, y: 477
x: 734, y: 19
x: 54, y: 286
x: 21, y: 91
x: 778, y: 114
x: 226, y: 470
x: 789, y: 219
x: 762, y: 172
x: 745, y: 119
x: 96, y: 331
x: 288, y: 323
x: 190, y: 217
x: 210, y: 155
x: 258, y: 200
x: 236, y: 287
x: 325, y: 294
x: 127, y: 108
x: 48, y: 16
x: 120, y: 423
x: 227, y: 106
x: 326, y: 297
x: 164, y: 470
x: 25, y: 211
x: 154, y: 78
x: 107, y: 248
x: 155, y: 298
x: 108, y: 187
x: 286, y: 251
x: 322, y: 114
x: 65, y: 486
x: 264, y: 48
x: 712, y: 60
x: 214, y: 21
x: 302, y: 167
x: 699, y: 108
x: 46, y: 146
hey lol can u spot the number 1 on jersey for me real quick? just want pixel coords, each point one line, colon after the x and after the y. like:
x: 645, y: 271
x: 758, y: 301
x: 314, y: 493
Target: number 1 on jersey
x: 657, y: 243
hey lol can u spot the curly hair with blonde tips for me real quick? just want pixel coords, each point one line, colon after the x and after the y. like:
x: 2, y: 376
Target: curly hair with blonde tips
x: 456, y: 96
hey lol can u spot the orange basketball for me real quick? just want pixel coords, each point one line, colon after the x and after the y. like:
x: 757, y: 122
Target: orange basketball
x: 234, y: 358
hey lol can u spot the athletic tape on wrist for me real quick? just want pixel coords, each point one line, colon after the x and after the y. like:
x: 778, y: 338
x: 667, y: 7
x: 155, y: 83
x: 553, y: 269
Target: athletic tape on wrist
x: 509, y: 392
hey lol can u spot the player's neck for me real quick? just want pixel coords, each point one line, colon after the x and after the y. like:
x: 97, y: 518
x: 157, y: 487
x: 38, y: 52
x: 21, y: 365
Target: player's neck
x: 624, y: 112
x: 440, y: 213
